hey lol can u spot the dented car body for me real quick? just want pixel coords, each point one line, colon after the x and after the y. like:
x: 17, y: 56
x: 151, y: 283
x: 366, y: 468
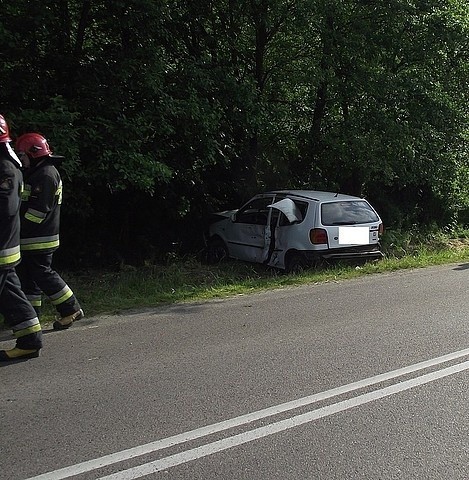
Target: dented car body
x: 295, y: 229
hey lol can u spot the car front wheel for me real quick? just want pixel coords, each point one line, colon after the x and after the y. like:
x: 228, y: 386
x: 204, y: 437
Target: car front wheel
x: 216, y: 251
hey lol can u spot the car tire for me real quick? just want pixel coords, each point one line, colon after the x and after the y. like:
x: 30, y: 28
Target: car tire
x: 216, y: 251
x: 296, y: 263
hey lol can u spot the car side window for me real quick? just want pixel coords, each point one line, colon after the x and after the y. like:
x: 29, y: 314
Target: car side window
x: 302, y: 206
x: 283, y: 221
x: 255, y: 212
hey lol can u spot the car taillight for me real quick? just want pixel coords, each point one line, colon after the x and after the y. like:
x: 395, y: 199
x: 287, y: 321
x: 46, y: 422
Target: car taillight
x: 318, y: 236
x: 380, y: 229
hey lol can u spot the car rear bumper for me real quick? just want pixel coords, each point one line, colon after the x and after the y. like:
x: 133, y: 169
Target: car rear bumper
x: 350, y: 256
x: 364, y: 252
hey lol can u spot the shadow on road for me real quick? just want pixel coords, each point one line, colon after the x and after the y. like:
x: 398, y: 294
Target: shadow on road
x: 463, y: 266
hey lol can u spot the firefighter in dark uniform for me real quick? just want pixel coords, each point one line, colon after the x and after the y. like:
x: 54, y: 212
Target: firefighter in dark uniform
x: 14, y: 306
x: 40, y: 222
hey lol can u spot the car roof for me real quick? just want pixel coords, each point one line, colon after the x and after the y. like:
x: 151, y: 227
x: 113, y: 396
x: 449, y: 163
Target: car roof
x: 316, y: 195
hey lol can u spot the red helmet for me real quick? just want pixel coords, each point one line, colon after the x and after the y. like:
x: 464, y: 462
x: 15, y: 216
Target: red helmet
x: 33, y: 144
x: 4, y: 130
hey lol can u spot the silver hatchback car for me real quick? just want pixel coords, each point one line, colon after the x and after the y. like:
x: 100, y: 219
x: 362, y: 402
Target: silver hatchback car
x: 296, y: 229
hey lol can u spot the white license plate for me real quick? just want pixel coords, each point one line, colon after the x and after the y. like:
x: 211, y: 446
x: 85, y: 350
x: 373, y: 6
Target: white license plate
x: 354, y: 235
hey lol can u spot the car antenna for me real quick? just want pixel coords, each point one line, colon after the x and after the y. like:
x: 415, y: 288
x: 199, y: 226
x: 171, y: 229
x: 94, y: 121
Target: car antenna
x: 336, y: 195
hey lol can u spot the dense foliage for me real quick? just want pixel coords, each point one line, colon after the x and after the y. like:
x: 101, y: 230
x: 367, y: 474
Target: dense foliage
x: 168, y: 110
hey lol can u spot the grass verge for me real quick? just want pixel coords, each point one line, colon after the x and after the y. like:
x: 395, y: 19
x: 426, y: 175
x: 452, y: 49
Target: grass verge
x: 187, y: 279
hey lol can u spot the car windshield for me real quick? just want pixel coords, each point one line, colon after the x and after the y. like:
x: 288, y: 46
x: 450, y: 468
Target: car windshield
x: 347, y: 213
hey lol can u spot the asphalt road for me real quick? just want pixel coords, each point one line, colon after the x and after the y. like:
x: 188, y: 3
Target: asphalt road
x: 356, y: 379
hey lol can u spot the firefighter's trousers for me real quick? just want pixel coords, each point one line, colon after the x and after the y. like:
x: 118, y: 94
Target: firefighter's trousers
x: 37, y: 277
x: 18, y: 312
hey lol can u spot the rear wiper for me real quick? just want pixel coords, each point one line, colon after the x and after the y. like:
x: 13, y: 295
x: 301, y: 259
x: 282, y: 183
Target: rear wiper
x: 344, y: 223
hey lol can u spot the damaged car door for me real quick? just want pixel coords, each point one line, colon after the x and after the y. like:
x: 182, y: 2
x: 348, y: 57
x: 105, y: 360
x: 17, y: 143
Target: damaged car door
x: 249, y: 238
x: 286, y: 215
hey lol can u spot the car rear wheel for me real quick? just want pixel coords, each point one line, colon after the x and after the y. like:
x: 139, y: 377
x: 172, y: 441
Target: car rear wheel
x: 296, y: 263
x: 216, y: 251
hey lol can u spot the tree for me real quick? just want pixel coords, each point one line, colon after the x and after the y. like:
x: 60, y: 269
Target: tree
x: 181, y: 108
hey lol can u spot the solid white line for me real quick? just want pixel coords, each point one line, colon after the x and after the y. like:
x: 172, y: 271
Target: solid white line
x: 127, y: 454
x: 220, y: 445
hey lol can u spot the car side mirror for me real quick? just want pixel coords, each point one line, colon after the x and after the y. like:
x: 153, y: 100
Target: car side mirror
x: 233, y: 217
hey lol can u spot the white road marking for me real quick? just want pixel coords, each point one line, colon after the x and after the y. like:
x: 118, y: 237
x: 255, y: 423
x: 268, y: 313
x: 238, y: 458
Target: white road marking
x: 157, y: 445
x: 249, y: 436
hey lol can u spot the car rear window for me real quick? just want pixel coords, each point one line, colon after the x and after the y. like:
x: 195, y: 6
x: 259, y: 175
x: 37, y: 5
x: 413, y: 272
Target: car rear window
x: 347, y: 213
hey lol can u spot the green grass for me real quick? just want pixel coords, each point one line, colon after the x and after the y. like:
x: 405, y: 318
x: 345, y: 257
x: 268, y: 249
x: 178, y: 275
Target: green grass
x: 186, y: 279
